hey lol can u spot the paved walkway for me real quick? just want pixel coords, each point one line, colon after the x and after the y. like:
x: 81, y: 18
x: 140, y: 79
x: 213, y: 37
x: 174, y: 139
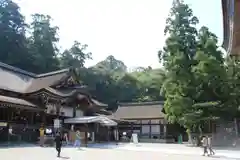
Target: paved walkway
x: 37, y: 153
x: 178, y: 149
x: 117, y: 152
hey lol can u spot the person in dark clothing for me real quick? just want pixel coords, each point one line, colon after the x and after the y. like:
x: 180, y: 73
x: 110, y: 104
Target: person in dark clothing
x: 58, y: 140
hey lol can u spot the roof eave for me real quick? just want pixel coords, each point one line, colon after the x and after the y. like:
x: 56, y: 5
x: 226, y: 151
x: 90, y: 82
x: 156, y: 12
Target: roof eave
x: 225, y: 26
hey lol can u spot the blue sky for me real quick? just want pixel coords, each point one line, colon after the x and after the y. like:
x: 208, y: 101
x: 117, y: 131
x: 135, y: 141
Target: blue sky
x: 131, y: 30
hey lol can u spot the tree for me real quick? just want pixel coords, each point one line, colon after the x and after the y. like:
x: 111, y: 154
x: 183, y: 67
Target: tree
x: 111, y: 64
x: 231, y: 99
x: 76, y: 56
x: 13, y: 42
x: 196, y: 84
x: 43, y: 44
x: 178, y: 57
x: 150, y: 82
x: 210, y: 74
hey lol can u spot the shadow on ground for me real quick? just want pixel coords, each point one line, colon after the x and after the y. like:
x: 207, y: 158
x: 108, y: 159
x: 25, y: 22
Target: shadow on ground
x: 225, y: 157
x: 105, y: 146
x: 16, y: 145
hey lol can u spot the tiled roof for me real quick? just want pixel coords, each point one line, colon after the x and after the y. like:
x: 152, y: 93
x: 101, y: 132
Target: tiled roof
x: 18, y: 80
x: 140, y: 111
x: 16, y: 101
x: 46, y: 80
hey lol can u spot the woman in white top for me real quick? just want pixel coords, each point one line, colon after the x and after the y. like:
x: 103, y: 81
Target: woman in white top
x: 205, y: 145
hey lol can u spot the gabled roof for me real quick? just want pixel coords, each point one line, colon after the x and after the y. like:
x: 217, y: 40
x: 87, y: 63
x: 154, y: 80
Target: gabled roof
x: 145, y: 110
x: 47, y: 80
x: 18, y: 80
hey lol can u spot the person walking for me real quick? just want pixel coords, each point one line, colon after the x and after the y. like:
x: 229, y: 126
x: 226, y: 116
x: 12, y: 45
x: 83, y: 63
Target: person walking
x: 210, y: 146
x: 42, y: 136
x: 78, y: 139
x: 205, y: 145
x: 65, y: 137
x: 58, y: 140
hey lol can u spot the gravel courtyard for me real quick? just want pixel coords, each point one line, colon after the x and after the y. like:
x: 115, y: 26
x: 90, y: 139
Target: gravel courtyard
x: 37, y: 153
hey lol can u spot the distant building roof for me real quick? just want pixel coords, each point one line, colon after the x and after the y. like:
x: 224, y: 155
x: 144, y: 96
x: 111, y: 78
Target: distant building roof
x: 144, y: 110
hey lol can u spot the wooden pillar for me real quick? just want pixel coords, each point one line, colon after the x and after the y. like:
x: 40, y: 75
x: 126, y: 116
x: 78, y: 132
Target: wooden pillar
x: 140, y: 128
x: 32, y: 117
x: 86, y: 135
x: 108, y: 134
x: 8, y: 114
x: 97, y: 137
x: 150, y: 129
x: 132, y: 127
x: 165, y: 130
x: 43, y: 117
x: 116, y: 132
x: 160, y: 129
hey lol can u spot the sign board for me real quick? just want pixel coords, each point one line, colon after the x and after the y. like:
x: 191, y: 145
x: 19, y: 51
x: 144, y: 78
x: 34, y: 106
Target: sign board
x: 3, y: 124
x: 57, y: 123
x: 134, y: 138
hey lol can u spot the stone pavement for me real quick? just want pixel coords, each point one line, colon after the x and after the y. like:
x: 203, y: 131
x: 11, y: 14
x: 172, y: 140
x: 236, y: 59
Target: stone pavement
x: 179, y: 149
x: 37, y: 153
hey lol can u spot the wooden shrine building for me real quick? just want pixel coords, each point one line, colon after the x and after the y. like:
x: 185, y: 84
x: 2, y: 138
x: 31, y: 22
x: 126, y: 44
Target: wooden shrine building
x: 29, y: 100
x: 147, y: 120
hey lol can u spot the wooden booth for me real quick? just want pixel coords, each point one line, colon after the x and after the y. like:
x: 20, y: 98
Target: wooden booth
x: 146, y: 119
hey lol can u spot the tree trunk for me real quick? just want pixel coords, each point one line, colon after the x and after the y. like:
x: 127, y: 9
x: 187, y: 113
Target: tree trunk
x: 236, y: 127
x: 190, y: 140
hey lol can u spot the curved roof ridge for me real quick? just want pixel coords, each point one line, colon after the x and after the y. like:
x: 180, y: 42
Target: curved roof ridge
x: 52, y: 73
x: 18, y: 70
x: 30, y: 74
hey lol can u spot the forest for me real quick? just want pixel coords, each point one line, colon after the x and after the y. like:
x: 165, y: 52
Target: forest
x: 34, y: 47
x: 197, y: 82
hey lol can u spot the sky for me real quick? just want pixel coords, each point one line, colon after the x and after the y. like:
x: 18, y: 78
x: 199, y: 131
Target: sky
x: 130, y: 30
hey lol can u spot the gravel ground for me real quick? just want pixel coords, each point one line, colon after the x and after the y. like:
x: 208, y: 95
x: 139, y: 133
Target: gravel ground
x: 37, y: 153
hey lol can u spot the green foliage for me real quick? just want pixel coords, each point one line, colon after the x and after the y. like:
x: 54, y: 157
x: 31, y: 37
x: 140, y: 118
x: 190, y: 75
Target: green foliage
x: 196, y: 86
x: 178, y: 57
x: 110, y: 82
x: 43, y: 44
x: 13, y: 42
x: 75, y: 56
x: 110, y: 64
x: 196, y: 82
